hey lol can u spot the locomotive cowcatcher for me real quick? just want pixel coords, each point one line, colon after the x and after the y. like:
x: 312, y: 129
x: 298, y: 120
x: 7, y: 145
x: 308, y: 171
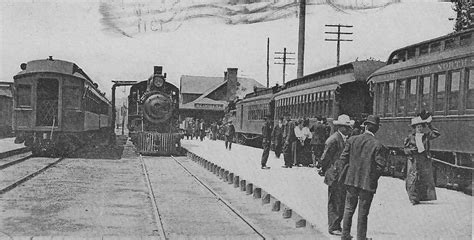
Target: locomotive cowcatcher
x: 153, y: 115
x: 58, y: 108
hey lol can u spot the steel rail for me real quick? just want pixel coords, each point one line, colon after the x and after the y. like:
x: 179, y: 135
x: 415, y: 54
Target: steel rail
x: 156, y: 211
x: 255, y: 228
x: 8, y: 164
x: 29, y: 176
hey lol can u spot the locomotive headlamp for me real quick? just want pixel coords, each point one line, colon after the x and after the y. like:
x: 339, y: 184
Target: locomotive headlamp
x: 158, y: 81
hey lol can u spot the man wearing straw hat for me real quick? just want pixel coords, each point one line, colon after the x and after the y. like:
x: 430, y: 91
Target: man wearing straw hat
x: 365, y: 159
x: 336, y: 191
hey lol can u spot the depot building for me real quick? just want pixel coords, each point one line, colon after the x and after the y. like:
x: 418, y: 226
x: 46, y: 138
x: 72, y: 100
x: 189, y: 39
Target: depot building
x: 208, y: 97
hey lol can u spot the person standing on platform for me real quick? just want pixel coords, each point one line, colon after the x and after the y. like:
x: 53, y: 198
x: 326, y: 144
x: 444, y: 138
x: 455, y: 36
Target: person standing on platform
x: 365, y: 159
x: 196, y: 129
x: 420, y: 184
x: 317, y: 142
x: 189, y: 129
x: 214, y: 130
x: 289, y: 138
x: 336, y: 191
x: 202, y: 130
x: 229, y: 135
x: 277, y: 137
x: 267, y: 138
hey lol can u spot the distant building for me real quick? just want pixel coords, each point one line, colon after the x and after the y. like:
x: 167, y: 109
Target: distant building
x: 207, y: 97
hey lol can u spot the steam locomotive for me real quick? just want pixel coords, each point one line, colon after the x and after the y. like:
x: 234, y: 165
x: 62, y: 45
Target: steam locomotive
x: 153, y: 115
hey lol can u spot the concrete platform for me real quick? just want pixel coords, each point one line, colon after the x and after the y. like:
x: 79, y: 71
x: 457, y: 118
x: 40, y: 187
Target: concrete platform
x: 8, y: 147
x: 301, y: 191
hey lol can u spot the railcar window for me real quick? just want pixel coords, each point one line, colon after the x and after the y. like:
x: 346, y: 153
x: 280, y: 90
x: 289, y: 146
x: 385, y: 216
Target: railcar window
x: 23, y: 95
x: 470, y: 90
x: 411, y: 106
x: 435, y: 47
x: 72, y: 97
x: 440, y: 86
x: 330, y: 101
x: 425, y: 94
x: 379, y: 97
x: 389, y: 97
x: 453, y: 100
x: 465, y: 39
x: 411, y: 53
x: 450, y: 43
x: 424, y: 50
x: 401, y: 98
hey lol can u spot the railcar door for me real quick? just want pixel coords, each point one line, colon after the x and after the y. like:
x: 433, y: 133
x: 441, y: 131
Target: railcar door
x: 47, y: 96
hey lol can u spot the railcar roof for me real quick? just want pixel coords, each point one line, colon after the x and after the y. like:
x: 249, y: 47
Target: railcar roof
x: 417, y: 61
x: 53, y: 66
x: 360, y: 69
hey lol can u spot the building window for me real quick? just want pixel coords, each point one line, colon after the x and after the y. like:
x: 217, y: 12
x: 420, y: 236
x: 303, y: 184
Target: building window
x: 23, y: 95
x: 411, y: 106
x: 440, y: 87
x: 455, y: 82
x: 425, y: 93
x: 401, y: 99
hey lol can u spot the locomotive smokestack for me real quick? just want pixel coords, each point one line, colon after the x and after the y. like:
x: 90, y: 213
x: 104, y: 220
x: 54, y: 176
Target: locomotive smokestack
x: 158, y: 69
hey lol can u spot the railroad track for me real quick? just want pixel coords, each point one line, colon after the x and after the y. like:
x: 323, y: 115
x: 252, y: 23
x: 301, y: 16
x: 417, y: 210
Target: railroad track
x: 158, y: 216
x: 10, y: 167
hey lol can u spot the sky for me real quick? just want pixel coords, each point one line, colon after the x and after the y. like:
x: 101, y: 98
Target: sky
x: 109, y: 41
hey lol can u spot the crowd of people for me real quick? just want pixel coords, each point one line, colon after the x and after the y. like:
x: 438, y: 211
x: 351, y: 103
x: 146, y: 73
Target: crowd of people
x: 200, y: 129
x: 351, y: 159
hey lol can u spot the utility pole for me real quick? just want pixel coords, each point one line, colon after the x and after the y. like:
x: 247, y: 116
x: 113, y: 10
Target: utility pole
x: 301, y: 38
x: 268, y: 62
x: 339, y: 40
x: 284, y: 58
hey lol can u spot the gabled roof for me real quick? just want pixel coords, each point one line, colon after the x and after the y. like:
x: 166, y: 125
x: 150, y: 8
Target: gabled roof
x: 198, y: 84
x: 206, y: 85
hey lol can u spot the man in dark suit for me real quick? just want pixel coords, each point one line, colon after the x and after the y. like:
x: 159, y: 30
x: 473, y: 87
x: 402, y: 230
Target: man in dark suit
x: 289, y: 138
x: 229, y: 135
x: 336, y: 191
x: 267, y: 138
x: 277, y: 137
x: 317, y: 141
x: 367, y: 160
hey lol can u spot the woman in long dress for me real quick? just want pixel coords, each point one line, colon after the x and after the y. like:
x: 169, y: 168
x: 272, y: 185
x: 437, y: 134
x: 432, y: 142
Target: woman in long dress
x: 420, y: 183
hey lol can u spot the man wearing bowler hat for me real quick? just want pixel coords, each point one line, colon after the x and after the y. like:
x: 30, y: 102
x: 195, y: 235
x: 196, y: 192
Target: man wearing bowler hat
x: 336, y: 191
x: 366, y: 160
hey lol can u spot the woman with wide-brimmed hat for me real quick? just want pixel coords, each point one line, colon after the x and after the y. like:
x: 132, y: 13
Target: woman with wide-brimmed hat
x: 420, y: 183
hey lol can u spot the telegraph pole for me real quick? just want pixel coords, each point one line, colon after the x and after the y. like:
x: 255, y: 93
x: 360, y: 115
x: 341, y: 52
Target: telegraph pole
x: 268, y: 62
x: 301, y: 38
x: 284, y: 58
x: 339, y: 40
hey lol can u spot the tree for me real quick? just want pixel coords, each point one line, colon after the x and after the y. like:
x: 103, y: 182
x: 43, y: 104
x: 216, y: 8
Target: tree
x: 464, y: 11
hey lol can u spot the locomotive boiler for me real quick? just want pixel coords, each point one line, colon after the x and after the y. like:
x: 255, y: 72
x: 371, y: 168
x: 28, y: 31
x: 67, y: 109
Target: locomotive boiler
x: 153, y: 115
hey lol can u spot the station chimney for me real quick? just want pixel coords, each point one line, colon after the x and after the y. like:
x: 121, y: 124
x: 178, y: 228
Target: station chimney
x: 231, y: 83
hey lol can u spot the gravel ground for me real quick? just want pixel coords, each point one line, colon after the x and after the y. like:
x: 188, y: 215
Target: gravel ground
x: 81, y: 197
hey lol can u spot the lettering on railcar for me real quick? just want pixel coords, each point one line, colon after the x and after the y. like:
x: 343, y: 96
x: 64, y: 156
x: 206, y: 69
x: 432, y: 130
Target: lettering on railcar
x: 438, y: 67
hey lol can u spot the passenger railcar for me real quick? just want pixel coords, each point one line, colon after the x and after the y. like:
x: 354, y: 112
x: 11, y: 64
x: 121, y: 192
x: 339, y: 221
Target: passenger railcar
x: 57, y: 107
x: 6, y: 106
x: 436, y: 76
x: 249, y: 114
x: 153, y: 113
x: 328, y: 93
